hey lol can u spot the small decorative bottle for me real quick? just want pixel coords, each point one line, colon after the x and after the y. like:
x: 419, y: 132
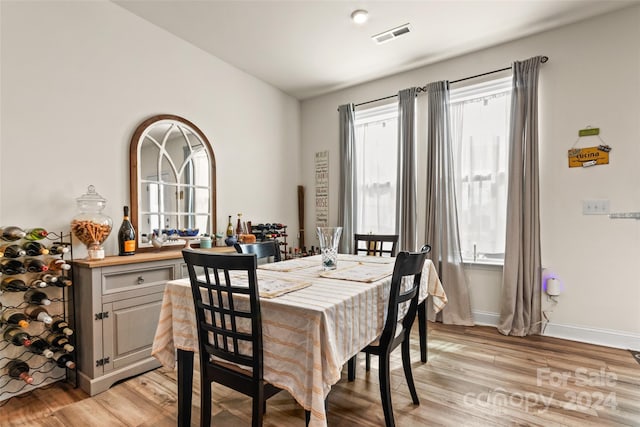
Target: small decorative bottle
x: 239, y: 226
x: 229, y: 228
x: 231, y: 238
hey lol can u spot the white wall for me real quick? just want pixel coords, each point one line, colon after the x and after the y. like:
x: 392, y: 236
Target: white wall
x: 78, y: 77
x: 592, y: 78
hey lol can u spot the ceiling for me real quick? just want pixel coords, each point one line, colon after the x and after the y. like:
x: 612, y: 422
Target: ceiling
x: 310, y: 47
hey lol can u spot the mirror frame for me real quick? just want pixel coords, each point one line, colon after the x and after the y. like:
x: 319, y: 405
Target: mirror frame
x: 134, y: 181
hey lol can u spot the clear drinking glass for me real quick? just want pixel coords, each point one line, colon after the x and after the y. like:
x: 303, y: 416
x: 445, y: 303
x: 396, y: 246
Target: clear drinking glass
x: 329, y: 238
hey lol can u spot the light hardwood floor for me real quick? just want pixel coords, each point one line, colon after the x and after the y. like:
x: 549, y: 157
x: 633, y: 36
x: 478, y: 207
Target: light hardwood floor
x: 474, y: 377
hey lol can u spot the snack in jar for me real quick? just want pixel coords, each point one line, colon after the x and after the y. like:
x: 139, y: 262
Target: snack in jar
x: 91, y: 226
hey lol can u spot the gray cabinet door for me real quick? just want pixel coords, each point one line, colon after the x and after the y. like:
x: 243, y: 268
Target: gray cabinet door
x: 129, y: 329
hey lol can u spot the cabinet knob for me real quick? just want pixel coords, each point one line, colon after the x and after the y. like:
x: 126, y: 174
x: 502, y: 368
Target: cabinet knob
x: 140, y: 280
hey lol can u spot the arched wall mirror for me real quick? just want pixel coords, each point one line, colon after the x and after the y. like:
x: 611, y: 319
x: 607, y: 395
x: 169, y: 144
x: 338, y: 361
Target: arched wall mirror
x: 172, y: 178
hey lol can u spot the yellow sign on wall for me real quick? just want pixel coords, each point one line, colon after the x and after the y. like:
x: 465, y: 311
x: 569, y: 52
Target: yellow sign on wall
x: 580, y: 157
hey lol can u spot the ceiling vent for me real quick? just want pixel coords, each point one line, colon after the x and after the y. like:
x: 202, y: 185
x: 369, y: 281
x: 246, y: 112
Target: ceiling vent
x: 392, y: 34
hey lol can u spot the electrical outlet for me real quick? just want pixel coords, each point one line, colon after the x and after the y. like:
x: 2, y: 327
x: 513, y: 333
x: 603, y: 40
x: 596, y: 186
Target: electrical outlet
x: 595, y: 207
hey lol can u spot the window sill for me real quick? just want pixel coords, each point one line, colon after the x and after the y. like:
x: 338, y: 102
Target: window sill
x: 491, y: 265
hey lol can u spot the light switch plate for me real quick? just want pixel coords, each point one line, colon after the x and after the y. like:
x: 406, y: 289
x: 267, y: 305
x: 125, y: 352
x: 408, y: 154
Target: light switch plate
x: 595, y: 207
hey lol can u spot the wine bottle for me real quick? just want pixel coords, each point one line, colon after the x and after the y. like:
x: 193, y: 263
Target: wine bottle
x: 48, y: 278
x: 126, y: 236
x: 35, y: 265
x: 36, y: 297
x: 62, y: 282
x: 34, y: 249
x: 60, y: 326
x: 38, y: 283
x: 12, y: 316
x: 19, y: 370
x: 12, y: 267
x: 239, y: 226
x: 12, y: 251
x: 39, y: 346
x: 17, y: 336
x: 59, y: 265
x: 10, y: 284
x: 36, y: 234
x: 59, y: 342
x: 39, y: 313
x: 11, y: 233
x: 64, y: 360
x: 58, y: 249
x: 229, y: 228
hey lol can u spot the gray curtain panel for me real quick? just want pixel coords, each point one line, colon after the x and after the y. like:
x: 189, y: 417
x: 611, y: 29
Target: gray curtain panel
x: 520, y: 310
x: 347, y: 205
x: 441, y: 214
x: 406, y: 192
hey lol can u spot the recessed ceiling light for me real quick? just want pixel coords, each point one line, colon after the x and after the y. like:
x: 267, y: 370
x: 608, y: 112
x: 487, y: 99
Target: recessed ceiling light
x: 360, y: 16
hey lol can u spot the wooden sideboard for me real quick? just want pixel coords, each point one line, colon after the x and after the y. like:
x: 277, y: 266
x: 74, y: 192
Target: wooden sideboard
x: 117, y: 305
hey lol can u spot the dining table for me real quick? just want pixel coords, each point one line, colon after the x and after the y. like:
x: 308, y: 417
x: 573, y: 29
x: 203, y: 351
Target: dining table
x: 313, y: 322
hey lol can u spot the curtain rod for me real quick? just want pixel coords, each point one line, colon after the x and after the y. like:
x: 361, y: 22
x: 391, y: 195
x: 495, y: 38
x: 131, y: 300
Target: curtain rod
x: 424, y: 88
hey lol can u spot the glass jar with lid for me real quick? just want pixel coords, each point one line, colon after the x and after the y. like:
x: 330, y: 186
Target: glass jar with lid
x: 91, y: 226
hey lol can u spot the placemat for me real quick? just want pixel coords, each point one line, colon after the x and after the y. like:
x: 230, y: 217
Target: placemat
x: 364, y: 272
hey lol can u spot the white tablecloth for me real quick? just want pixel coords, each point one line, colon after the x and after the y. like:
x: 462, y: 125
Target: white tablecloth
x: 309, y: 334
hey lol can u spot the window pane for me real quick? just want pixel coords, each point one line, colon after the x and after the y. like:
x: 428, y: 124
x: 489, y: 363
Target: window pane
x: 376, y: 132
x: 480, y: 128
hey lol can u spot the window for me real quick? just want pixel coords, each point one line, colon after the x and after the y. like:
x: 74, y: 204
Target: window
x: 376, y: 132
x: 479, y: 132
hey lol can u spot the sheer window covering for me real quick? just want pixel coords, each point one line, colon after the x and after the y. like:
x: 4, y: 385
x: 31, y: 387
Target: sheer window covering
x: 479, y: 130
x: 376, y: 148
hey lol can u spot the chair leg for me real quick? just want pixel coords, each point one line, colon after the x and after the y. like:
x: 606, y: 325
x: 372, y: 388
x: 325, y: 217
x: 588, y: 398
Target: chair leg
x: 259, y: 403
x: 368, y: 362
x: 385, y: 389
x: 351, y: 368
x: 205, y: 403
x: 422, y: 330
x: 406, y: 365
x: 307, y: 414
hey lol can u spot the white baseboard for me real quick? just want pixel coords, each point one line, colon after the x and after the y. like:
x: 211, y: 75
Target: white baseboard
x: 606, y: 337
x: 485, y: 318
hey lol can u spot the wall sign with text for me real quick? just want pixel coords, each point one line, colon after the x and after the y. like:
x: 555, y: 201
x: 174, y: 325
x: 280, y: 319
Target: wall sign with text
x: 322, y: 188
x: 589, y: 156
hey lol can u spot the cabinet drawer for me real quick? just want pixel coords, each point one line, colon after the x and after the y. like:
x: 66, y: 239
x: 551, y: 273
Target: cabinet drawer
x: 119, y: 281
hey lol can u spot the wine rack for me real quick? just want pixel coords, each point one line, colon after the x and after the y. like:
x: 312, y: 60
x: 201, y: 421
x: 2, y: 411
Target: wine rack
x: 43, y: 370
x: 275, y: 231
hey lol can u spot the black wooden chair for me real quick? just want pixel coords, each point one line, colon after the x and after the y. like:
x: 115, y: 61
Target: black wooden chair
x: 375, y: 244
x: 229, y: 329
x: 269, y: 249
x: 397, y: 330
x: 422, y: 319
